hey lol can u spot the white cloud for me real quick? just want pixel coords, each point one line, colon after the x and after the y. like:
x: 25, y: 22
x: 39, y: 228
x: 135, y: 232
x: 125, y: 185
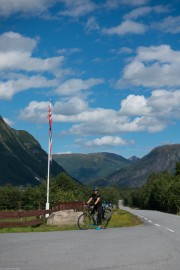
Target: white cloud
x: 73, y: 86
x: 153, y: 67
x: 161, y: 103
x: 11, y: 87
x: 9, y: 122
x: 16, y: 54
x: 165, y: 103
x: 169, y: 25
x: 77, y: 8
x: 112, y: 4
x: 12, y: 41
x: 35, y: 112
x: 143, y: 11
x: 33, y: 7
x: 107, y: 141
x: 126, y: 27
x: 136, y: 113
x: 73, y: 106
x: 135, y: 105
x: 16, y: 60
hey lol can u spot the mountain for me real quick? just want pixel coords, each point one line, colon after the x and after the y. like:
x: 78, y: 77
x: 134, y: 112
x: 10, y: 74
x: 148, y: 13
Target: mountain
x: 22, y: 160
x: 162, y: 158
x: 134, y: 159
x: 87, y: 167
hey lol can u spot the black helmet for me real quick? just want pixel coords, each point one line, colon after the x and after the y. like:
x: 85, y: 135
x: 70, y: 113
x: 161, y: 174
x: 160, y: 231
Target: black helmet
x: 95, y: 189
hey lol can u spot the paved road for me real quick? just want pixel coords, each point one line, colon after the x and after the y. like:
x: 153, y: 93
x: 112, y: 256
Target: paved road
x: 152, y: 246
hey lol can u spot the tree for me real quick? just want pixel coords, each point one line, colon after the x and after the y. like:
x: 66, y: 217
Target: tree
x: 177, y: 168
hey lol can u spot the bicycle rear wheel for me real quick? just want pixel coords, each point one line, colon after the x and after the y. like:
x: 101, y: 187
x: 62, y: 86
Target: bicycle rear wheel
x: 83, y: 222
x: 104, y: 223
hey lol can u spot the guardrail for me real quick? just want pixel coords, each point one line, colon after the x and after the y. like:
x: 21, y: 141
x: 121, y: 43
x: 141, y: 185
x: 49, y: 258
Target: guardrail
x: 36, y: 217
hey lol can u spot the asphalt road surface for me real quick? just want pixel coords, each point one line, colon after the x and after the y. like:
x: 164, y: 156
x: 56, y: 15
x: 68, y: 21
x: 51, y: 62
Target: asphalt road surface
x: 152, y: 246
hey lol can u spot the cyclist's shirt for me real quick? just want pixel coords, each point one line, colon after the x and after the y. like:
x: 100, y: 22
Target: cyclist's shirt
x: 95, y: 197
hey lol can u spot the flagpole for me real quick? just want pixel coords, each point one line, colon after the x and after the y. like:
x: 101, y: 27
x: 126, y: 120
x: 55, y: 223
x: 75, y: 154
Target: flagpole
x: 49, y: 153
x: 48, y: 173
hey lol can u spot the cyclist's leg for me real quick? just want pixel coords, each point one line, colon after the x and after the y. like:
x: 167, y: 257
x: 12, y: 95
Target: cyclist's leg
x: 102, y: 222
x: 99, y: 210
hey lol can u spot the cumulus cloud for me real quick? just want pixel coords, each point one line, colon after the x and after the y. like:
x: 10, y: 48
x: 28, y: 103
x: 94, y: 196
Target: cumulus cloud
x: 17, y: 65
x: 162, y: 104
x: 155, y: 66
x: 12, y: 41
x: 136, y: 113
x: 11, y: 87
x: 72, y: 106
x: 135, y: 105
x: 35, y: 112
x: 126, y: 27
x: 107, y: 141
x: 33, y: 7
x: 16, y: 54
x: 74, y: 86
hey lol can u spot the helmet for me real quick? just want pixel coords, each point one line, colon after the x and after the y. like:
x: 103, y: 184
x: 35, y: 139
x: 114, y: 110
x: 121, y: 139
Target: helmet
x: 95, y: 189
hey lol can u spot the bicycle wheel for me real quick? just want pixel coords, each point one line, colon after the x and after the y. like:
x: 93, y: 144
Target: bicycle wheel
x: 83, y: 222
x: 104, y: 223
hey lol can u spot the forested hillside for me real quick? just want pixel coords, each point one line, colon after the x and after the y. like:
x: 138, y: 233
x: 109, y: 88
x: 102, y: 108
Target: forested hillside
x: 22, y: 160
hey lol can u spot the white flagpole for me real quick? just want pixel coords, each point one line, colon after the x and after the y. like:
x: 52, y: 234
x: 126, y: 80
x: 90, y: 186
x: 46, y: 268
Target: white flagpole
x: 49, y: 154
x: 47, y: 202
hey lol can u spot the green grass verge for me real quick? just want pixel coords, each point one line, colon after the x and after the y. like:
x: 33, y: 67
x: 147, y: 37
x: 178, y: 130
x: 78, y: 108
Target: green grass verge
x: 120, y: 218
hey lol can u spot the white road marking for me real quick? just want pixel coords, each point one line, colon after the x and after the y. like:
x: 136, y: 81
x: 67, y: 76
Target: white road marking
x: 157, y: 225
x: 169, y: 230
x: 150, y: 221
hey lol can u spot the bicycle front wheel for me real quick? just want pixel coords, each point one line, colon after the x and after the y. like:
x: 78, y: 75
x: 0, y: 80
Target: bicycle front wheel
x: 83, y: 222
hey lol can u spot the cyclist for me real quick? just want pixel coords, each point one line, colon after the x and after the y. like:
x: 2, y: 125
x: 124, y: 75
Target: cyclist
x: 96, y: 199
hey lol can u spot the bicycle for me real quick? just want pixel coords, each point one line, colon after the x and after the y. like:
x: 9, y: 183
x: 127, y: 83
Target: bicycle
x: 86, y: 220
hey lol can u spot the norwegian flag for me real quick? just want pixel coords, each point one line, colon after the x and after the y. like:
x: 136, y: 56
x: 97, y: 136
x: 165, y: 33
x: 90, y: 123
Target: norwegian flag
x: 50, y: 130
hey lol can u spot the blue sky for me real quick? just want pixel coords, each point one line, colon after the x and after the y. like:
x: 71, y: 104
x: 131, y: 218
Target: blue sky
x: 111, y: 68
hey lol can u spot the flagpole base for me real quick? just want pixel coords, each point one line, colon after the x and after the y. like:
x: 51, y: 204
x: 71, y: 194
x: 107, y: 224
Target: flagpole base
x: 47, y: 208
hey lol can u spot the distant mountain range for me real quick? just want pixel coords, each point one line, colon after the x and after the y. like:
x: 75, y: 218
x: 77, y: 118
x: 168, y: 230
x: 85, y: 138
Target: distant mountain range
x: 105, y: 169
x: 162, y: 158
x: 88, y: 167
x: 22, y: 160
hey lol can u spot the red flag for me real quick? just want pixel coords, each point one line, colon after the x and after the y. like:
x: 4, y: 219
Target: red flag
x: 50, y: 130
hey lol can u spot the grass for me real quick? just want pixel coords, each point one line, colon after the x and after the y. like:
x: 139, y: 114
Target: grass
x: 120, y: 218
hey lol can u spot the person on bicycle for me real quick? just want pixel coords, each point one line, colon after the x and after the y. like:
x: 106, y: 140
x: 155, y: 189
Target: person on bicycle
x: 97, y: 206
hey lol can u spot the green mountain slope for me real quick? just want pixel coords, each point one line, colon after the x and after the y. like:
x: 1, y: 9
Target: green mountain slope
x: 22, y: 160
x: 162, y: 158
x: 86, y: 167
